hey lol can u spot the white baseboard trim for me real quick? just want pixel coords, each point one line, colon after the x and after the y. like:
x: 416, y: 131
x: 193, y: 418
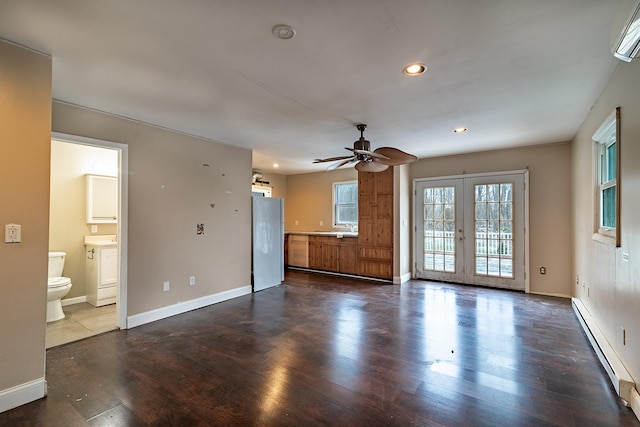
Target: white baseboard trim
x: 183, y: 307
x: 620, y: 377
x: 635, y: 403
x: 76, y: 300
x: 22, y: 394
x: 401, y: 279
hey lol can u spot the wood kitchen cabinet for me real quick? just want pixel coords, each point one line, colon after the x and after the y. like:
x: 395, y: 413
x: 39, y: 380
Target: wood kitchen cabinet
x: 286, y: 250
x: 375, y: 224
x: 348, y: 255
x: 323, y: 253
x: 330, y: 253
x: 298, y: 253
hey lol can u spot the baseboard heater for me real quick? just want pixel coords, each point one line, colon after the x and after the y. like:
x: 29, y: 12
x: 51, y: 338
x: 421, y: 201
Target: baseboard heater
x: 620, y: 377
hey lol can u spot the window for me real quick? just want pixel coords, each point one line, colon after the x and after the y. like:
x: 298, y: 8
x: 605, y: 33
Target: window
x: 607, y: 149
x: 345, y: 204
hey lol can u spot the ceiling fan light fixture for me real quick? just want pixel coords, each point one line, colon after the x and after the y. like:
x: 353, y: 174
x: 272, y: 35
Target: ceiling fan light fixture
x: 460, y: 130
x: 414, y: 69
x: 369, y: 161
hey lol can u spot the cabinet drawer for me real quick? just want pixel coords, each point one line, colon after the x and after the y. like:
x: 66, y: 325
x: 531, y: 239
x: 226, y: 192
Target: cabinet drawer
x: 106, y: 292
x: 375, y: 253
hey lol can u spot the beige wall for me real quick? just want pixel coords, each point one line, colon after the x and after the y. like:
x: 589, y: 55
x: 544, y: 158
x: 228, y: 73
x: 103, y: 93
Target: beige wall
x: 309, y: 199
x: 549, y: 203
x: 25, y: 132
x: 67, y: 217
x: 278, y: 183
x: 170, y: 191
x: 611, y: 289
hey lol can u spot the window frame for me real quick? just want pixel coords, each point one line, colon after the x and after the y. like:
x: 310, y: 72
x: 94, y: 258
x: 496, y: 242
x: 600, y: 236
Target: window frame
x: 607, y: 135
x: 334, y: 204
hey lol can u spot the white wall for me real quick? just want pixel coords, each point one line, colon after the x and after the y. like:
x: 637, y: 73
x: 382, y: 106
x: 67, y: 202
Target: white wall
x: 611, y: 289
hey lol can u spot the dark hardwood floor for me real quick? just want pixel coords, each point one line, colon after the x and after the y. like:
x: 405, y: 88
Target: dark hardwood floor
x: 323, y: 350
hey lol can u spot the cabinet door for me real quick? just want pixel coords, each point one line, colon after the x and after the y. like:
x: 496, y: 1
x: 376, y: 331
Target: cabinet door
x: 108, y: 266
x: 348, y: 257
x: 366, y: 202
x: 330, y: 255
x: 315, y: 253
x: 102, y: 199
x: 298, y: 251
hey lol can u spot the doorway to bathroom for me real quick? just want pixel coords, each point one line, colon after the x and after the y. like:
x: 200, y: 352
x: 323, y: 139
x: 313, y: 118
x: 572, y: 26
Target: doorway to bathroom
x: 87, y: 223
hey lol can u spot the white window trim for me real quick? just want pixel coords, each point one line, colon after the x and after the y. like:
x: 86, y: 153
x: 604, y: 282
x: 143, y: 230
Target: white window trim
x: 333, y: 204
x: 608, y: 131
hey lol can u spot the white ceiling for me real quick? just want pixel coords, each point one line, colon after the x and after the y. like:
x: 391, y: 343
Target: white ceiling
x: 515, y: 72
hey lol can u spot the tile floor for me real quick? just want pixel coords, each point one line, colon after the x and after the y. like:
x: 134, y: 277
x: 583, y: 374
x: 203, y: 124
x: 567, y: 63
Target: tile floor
x: 82, y: 320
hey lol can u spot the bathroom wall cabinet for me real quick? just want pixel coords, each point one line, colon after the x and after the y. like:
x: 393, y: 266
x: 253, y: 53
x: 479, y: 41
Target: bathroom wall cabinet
x: 101, y: 273
x: 102, y: 199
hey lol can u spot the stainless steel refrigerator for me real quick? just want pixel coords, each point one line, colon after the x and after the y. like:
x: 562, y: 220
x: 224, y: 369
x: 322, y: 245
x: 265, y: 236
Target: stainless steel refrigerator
x: 267, y: 242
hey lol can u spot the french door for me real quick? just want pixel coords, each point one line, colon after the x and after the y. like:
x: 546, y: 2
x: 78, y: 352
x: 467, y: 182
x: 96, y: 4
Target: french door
x: 471, y: 230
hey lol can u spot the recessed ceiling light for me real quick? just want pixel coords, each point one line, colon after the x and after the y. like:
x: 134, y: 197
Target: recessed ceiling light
x: 414, y: 69
x: 275, y: 165
x: 283, y: 32
x: 460, y: 130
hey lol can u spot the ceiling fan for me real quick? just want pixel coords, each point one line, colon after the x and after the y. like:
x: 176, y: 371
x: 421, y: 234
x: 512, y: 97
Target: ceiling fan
x: 365, y: 159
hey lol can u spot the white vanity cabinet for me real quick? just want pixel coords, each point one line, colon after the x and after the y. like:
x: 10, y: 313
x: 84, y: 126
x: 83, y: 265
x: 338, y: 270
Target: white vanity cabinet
x: 101, y: 271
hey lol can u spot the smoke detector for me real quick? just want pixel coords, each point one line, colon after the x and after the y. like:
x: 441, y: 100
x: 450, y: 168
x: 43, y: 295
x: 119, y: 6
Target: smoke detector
x: 283, y: 32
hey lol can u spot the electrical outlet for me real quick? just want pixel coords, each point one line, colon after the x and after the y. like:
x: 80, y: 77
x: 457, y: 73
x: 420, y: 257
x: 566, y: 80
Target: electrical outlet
x: 12, y: 233
x: 165, y: 286
x: 94, y: 228
x: 192, y: 280
x: 321, y: 223
x: 543, y: 270
x: 577, y: 279
x: 297, y: 223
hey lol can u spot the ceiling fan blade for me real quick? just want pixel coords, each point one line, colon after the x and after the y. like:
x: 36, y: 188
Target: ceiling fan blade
x: 343, y: 163
x: 367, y: 153
x: 393, y: 156
x: 371, y: 167
x: 331, y: 159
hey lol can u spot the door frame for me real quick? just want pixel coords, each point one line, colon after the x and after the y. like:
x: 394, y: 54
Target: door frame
x: 524, y: 172
x: 123, y: 208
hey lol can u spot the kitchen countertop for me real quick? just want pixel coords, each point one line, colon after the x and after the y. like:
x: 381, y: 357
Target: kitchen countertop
x: 325, y: 233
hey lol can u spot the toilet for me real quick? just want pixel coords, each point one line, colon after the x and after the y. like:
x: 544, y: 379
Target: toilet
x: 57, y: 286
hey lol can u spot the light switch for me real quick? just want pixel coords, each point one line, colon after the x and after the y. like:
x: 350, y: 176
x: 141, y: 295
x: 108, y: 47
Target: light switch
x: 12, y: 233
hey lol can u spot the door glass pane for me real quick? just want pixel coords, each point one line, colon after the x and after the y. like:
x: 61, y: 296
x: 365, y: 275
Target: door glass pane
x: 439, y: 229
x: 494, y: 236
